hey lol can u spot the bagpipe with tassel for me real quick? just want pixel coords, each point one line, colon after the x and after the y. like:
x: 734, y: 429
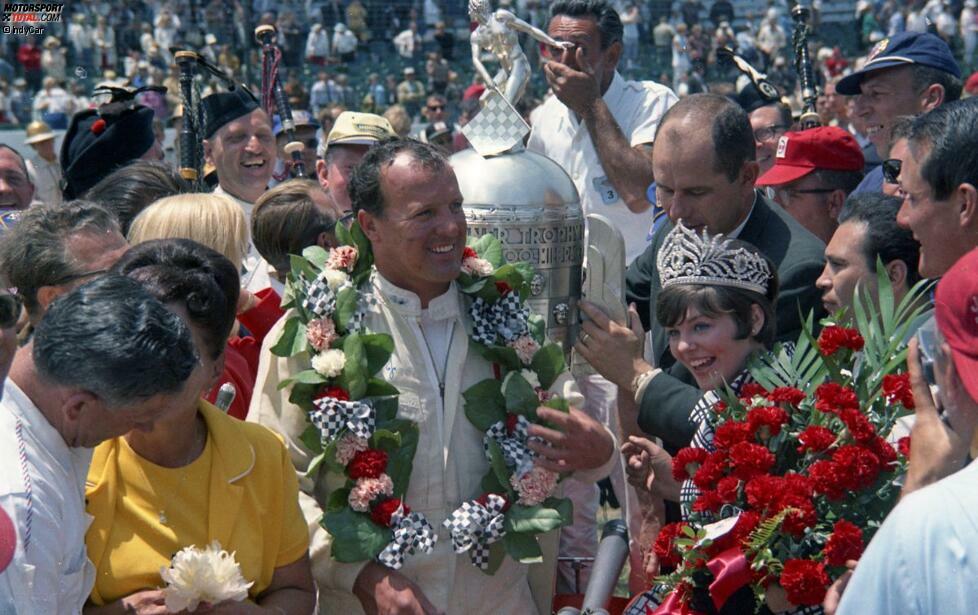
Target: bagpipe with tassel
x: 273, y: 96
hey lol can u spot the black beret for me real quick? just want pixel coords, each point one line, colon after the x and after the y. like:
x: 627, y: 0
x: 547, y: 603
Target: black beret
x: 752, y: 97
x: 224, y: 107
x: 99, y: 141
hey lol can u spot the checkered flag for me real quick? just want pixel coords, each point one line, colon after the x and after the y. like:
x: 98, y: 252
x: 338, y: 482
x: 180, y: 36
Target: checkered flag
x: 333, y: 416
x: 475, y: 526
x: 498, y: 127
x: 412, y: 534
x: 356, y: 323
x: 515, y: 452
x: 483, y: 323
x: 320, y: 299
x: 512, y: 316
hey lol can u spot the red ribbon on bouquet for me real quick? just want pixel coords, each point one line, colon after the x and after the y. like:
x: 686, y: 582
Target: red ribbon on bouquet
x: 731, y: 571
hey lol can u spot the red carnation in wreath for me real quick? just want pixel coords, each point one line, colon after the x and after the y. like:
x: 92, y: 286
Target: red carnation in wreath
x: 827, y: 479
x: 766, y: 421
x: 469, y: 252
x: 707, y: 502
x: 845, y: 543
x: 859, y: 466
x: 831, y: 339
x: 687, y: 461
x: 804, y: 581
x: 833, y: 398
x: 858, y: 425
x: 503, y: 288
x: 665, y: 545
x: 382, y: 512
x: 751, y: 389
x: 786, y: 395
x: 748, y: 460
x: 337, y: 393
x: 730, y: 433
x: 728, y: 489
x: 370, y: 463
x: 903, y: 445
x: 896, y: 388
x: 710, y: 473
x: 816, y: 439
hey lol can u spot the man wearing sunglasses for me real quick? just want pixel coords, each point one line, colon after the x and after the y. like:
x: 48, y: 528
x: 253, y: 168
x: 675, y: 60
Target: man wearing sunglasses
x: 814, y: 170
x: 306, y: 128
x: 906, y: 74
x: 54, y: 248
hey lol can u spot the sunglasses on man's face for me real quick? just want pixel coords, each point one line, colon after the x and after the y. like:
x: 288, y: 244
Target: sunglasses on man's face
x: 9, y: 309
x: 435, y: 107
x: 891, y: 170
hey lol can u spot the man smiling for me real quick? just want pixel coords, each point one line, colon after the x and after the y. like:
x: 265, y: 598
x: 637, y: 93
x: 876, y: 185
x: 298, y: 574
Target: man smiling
x: 906, y: 74
x: 407, y: 201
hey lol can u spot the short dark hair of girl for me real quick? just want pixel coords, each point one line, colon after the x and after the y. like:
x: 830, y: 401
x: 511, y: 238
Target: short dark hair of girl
x: 188, y: 273
x: 714, y: 301
x: 286, y: 221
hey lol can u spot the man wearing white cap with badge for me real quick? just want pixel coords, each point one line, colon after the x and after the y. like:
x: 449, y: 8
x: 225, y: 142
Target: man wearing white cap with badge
x: 351, y: 137
x: 43, y: 165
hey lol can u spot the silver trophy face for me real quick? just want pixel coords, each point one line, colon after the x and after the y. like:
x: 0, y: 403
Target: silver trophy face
x: 531, y: 205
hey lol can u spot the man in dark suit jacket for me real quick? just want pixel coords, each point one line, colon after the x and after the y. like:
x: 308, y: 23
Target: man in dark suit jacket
x: 705, y: 171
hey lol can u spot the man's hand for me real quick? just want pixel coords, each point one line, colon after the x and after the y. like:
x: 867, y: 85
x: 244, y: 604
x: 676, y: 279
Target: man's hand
x: 834, y: 595
x: 578, y: 443
x: 383, y: 591
x: 614, y: 350
x: 649, y: 468
x: 578, y: 89
x: 936, y: 450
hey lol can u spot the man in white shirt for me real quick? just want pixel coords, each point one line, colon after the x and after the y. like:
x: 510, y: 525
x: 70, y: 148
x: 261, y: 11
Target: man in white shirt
x: 600, y: 129
x: 43, y: 166
x: 239, y: 142
x: 55, y: 408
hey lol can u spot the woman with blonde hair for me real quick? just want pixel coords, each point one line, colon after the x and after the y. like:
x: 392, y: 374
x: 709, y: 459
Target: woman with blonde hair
x: 218, y: 223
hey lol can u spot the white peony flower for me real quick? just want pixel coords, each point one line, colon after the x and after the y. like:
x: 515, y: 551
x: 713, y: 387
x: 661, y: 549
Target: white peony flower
x: 329, y: 363
x: 530, y: 377
x: 335, y: 278
x: 202, y: 575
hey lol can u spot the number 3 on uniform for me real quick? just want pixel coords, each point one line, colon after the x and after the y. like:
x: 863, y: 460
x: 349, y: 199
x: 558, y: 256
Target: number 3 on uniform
x: 606, y: 190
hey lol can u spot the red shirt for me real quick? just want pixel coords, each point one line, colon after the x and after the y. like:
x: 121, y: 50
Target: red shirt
x: 242, y: 353
x: 29, y: 56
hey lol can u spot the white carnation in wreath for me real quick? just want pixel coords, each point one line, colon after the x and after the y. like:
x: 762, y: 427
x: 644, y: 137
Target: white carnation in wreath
x: 335, y: 279
x: 202, y: 575
x: 330, y: 363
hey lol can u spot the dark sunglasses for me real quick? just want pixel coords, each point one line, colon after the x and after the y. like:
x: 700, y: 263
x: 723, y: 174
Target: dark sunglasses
x: 891, y: 170
x: 435, y: 107
x: 9, y: 309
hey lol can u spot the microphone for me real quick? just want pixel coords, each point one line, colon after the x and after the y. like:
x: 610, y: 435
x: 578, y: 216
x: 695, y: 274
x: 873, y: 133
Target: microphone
x: 225, y: 395
x: 612, y: 553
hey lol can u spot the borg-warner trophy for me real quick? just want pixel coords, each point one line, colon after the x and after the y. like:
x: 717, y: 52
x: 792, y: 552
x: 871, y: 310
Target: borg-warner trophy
x: 526, y: 199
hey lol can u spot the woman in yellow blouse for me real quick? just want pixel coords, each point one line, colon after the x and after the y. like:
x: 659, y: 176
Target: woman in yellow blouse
x: 197, y: 475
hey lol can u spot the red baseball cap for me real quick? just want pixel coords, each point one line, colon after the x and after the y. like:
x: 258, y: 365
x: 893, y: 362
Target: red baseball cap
x: 800, y: 153
x: 956, y: 312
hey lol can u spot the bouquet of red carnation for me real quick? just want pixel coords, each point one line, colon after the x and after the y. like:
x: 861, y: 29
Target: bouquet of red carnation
x: 805, y: 467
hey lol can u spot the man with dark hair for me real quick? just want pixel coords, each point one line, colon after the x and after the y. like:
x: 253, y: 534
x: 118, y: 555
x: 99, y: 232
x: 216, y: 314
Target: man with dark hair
x: 598, y: 126
x: 409, y: 205
x: 867, y: 232
x: 813, y: 172
x: 705, y: 173
x: 53, y: 249
x: 16, y: 186
x: 127, y: 191
x: 341, y: 150
x: 138, y: 357
x: 939, y: 181
x: 907, y: 74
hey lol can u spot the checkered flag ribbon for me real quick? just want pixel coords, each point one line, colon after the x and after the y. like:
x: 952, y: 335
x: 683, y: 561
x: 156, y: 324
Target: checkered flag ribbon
x: 474, y: 527
x: 412, y: 534
x: 333, y: 416
x: 320, y: 298
x: 505, y: 317
x: 515, y: 452
x: 356, y: 323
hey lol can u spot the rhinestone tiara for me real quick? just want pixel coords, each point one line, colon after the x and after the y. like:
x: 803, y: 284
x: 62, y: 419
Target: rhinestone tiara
x: 688, y: 258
